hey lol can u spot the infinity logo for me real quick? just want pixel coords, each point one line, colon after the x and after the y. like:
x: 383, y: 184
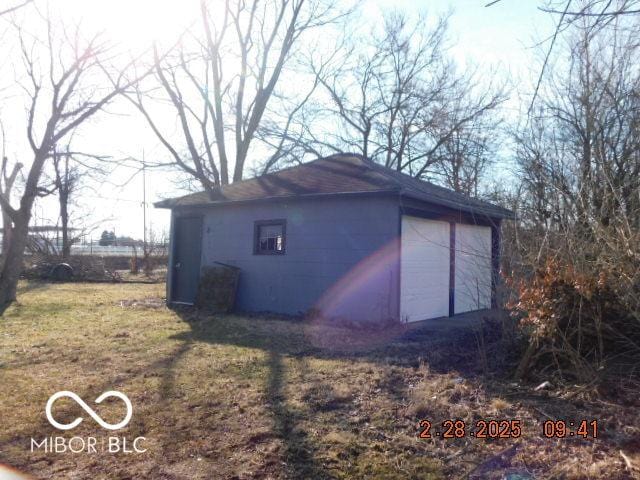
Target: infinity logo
x: 88, y: 409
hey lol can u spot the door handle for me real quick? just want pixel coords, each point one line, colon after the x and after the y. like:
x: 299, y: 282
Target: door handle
x: 178, y: 265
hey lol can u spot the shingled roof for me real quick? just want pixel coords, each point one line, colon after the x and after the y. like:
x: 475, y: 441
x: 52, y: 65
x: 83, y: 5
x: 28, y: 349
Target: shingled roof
x: 335, y: 175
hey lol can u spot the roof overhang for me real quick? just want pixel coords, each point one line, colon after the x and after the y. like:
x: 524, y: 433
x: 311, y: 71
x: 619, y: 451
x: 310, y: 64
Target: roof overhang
x: 492, y: 211
x: 172, y: 203
x: 495, y: 212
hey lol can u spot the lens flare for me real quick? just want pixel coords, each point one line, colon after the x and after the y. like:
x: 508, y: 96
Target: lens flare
x: 360, y: 310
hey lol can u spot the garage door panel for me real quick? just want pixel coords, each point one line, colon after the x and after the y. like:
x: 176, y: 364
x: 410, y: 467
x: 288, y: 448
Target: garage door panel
x: 472, y: 268
x: 424, y: 283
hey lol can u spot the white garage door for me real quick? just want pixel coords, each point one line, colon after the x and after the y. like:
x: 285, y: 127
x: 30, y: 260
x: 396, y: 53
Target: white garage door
x: 473, y: 268
x: 424, y: 275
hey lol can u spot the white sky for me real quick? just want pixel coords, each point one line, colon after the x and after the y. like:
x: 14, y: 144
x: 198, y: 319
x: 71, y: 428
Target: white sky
x: 499, y: 37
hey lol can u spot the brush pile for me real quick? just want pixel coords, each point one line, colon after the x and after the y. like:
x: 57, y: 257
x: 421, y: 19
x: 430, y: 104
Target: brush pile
x: 583, y: 318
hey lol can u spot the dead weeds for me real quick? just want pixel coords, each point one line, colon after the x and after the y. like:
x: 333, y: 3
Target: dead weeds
x: 150, y: 302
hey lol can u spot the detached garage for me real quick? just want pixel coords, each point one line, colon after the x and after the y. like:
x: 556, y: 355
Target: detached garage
x: 343, y: 237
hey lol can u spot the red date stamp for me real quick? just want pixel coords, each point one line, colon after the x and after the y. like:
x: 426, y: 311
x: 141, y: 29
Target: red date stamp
x: 452, y: 428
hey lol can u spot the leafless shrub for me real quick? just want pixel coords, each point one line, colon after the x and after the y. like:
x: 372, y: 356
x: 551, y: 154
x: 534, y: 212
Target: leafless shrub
x: 579, y: 318
x: 574, y: 258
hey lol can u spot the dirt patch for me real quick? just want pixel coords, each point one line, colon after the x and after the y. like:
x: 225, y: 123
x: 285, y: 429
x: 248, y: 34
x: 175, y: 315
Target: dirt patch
x: 152, y: 302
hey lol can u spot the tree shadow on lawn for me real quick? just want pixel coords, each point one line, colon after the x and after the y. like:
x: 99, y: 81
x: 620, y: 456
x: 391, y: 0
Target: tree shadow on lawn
x: 450, y: 353
x: 300, y: 454
x: 396, y: 345
x: 284, y: 338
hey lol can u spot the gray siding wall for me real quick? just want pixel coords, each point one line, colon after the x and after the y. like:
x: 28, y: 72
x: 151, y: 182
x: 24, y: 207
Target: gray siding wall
x: 341, y: 256
x: 170, y: 260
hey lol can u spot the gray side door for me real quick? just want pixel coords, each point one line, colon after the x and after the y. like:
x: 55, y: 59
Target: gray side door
x: 187, y: 244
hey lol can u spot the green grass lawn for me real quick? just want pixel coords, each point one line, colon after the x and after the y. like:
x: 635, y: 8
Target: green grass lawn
x: 224, y: 396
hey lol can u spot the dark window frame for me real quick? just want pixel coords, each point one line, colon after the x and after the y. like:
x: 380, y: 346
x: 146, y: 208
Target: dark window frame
x: 256, y: 236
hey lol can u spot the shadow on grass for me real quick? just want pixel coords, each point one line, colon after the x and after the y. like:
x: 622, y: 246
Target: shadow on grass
x: 285, y: 339
x: 300, y: 454
x: 446, y: 352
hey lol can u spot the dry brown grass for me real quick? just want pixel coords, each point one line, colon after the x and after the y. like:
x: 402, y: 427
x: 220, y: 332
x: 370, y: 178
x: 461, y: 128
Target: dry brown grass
x: 254, y: 397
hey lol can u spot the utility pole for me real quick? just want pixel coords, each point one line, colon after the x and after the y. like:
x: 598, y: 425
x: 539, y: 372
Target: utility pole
x: 144, y: 205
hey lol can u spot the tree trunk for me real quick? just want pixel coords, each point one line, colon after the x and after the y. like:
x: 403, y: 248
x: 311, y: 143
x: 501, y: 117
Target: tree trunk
x: 14, y: 259
x: 7, y: 229
x: 65, y: 184
x: 13, y: 263
x: 64, y: 217
x: 7, y: 224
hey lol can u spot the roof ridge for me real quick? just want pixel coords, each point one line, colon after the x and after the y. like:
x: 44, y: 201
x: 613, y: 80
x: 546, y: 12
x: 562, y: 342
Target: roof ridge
x: 391, y: 173
x: 328, y: 157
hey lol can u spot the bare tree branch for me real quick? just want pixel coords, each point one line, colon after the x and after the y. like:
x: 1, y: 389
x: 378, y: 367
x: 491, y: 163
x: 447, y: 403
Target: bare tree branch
x: 15, y: 7
x: 220, y: 104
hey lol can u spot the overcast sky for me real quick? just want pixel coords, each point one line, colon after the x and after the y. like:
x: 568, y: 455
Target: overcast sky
x: 499, y: 38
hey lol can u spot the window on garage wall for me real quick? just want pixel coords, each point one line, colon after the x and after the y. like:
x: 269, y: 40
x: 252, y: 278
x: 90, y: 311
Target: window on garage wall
x: 270, y: 237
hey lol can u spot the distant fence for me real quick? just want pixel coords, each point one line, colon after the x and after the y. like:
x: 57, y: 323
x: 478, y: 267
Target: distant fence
x: 110, y: 250
x: 54, y: 247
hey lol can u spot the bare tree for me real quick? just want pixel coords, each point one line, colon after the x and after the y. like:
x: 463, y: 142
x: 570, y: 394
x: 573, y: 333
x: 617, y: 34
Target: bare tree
x: 8, y: 176
x: 403, y: 102
x: 219, y: 82
x: 602, y: 11
x: 593, y: 15
x: 579, y: 168
x: 583, y: 143
x: 65, y: 87
x: 465, y: 156
x: 67, y: 179
x: 8, y: 179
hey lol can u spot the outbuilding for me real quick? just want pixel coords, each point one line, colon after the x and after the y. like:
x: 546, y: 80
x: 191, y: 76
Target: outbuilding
x: 341, y: 236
